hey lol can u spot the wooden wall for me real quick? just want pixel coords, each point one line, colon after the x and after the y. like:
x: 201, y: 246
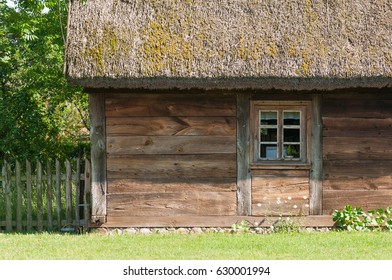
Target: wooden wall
x: 357, y: 150
x: 171, y: 154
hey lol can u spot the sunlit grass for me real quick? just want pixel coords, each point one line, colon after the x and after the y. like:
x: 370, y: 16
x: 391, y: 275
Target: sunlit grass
x: 297, y: 246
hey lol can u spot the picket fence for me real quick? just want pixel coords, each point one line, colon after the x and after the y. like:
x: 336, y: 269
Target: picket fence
x: 45, y: 195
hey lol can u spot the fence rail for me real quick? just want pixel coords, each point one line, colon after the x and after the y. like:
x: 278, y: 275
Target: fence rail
x: 45, y: 195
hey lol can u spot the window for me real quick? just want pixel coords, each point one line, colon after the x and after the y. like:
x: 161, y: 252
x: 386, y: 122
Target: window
x: 280, y: 132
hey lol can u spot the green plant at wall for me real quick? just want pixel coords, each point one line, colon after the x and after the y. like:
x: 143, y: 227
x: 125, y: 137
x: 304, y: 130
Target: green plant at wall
x: 242, y: 227
x: 356, y: 219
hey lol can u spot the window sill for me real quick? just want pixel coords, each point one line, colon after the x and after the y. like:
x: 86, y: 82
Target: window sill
x: 281, y: 165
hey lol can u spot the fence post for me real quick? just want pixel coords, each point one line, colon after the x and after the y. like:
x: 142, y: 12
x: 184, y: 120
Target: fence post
x: 39, y: 197
x: 77, y: 207
x: 29, y: 196
x: 87, y: 193
x: 68, y: 192
x: 8, y: 193
x: 49, y: 194
x: 19, y: 197
x: 58, y: 193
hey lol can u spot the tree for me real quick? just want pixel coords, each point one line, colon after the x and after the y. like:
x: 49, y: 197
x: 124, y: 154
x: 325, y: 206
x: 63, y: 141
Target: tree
x: 41, y: 115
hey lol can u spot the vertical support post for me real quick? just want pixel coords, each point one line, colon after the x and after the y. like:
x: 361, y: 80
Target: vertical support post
x: 244, y: 201
x: 19, y: 196
x: 8, y: 196
x: 68, y: 192
x: 39, y: 197
x: 316, y: 172
x: 49, y: 195
x: 98, y: 157
x: 29, y: 198
x: 87, y: 193
x: 58, y: 193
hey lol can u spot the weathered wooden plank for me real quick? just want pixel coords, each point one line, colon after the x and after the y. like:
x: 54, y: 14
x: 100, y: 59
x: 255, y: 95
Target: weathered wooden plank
x: 160, y: 126
x: 352, y: 169
x: 98, y: 156
x: 357, y: 108
x: 316, y: 155
x: 68, y: 192
x: 29, y: 197
x: 359, y: 183
x: 191, y: 105
x: 77, y: 192
x: 280, y: 173
x: 357, y: 148
x: 172, y: 166
x: 176, y: 203
x: 6, y: 170
x: 135, y: 145
x: 357, y: 127
x: 221, y: 184
x: 212, y: 221
x: 39, y: 197
x: 58, y: 193
x: 49, y: 195
x: 280, y: 196
x: 243, y: 155
x: 366, y: 199
x: 87, y: 193
x: 19, y: 199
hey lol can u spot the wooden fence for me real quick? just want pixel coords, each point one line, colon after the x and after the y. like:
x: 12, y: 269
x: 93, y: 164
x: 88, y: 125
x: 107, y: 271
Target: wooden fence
x: 45, y: 195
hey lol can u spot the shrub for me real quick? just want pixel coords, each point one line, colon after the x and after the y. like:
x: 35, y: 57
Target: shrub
x: 356, y: 219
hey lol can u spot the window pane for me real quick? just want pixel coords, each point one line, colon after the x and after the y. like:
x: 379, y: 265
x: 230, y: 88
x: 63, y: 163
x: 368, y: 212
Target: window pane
x: 268, y: 134
x: 291, y: 135
x: 291, y: 118
x: 292, y: 151
x: 268, y: 118
x: 268, y: 151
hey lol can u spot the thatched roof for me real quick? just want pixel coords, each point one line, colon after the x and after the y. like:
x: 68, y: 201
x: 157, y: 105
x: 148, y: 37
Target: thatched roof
x: 260, y: 44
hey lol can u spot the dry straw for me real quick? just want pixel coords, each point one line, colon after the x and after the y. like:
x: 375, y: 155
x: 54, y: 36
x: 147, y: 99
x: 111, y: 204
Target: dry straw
x: 296, y: 44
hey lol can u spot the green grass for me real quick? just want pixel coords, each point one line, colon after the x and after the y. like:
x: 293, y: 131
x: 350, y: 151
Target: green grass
x: 298, y: 246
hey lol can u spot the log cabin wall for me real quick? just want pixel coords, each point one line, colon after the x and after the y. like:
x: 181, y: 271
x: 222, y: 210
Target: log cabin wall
x: 357, y: 150
x: 170, y: 155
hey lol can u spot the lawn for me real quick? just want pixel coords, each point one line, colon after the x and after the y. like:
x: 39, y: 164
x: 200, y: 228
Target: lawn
x: 207, y: 246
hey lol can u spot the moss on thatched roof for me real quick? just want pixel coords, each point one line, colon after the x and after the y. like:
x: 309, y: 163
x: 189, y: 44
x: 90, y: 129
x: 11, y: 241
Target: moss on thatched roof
x: 297, y: 44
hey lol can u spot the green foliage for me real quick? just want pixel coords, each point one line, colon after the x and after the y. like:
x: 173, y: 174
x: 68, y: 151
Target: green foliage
x: 356, y: 219
x: 40, y: 114
x: 242, y: 227
x: 286, y: 225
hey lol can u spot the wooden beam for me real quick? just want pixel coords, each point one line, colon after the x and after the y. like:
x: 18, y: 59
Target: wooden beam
x: 316, y: 154
x: 98, y: 157
x: 244, y: 201
x: 212, y: 221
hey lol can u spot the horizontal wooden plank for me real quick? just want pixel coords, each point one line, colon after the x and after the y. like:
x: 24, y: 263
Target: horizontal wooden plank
x: 357, y: 108
x: 171, y: 185
x: 211, y: 221
x: 161, y: 126
x: 366, y: 199
x: 186, y: 105
x: 172, y: 166
x: 359, y: 183
x: 351, y: 169
x: 172, y: 204
x: 357, y: 127
x: 357, y: 148
x: 164, y: 145
x: 268, y: 173
x: 280, y: 196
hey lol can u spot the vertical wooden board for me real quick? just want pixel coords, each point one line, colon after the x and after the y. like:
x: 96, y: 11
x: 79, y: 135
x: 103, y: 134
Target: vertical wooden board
x: 49, y: 195
x: 87, y: 193
x: 243, y: 155
x: 39, y: 197
x: 98, y: 156
x: 19, y: 199
x: 29, y: 197
x: 68, y: 192
x: 8, y: 196
x: 77, y: 192
x: 316, y: 154
x: 58, y: 193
